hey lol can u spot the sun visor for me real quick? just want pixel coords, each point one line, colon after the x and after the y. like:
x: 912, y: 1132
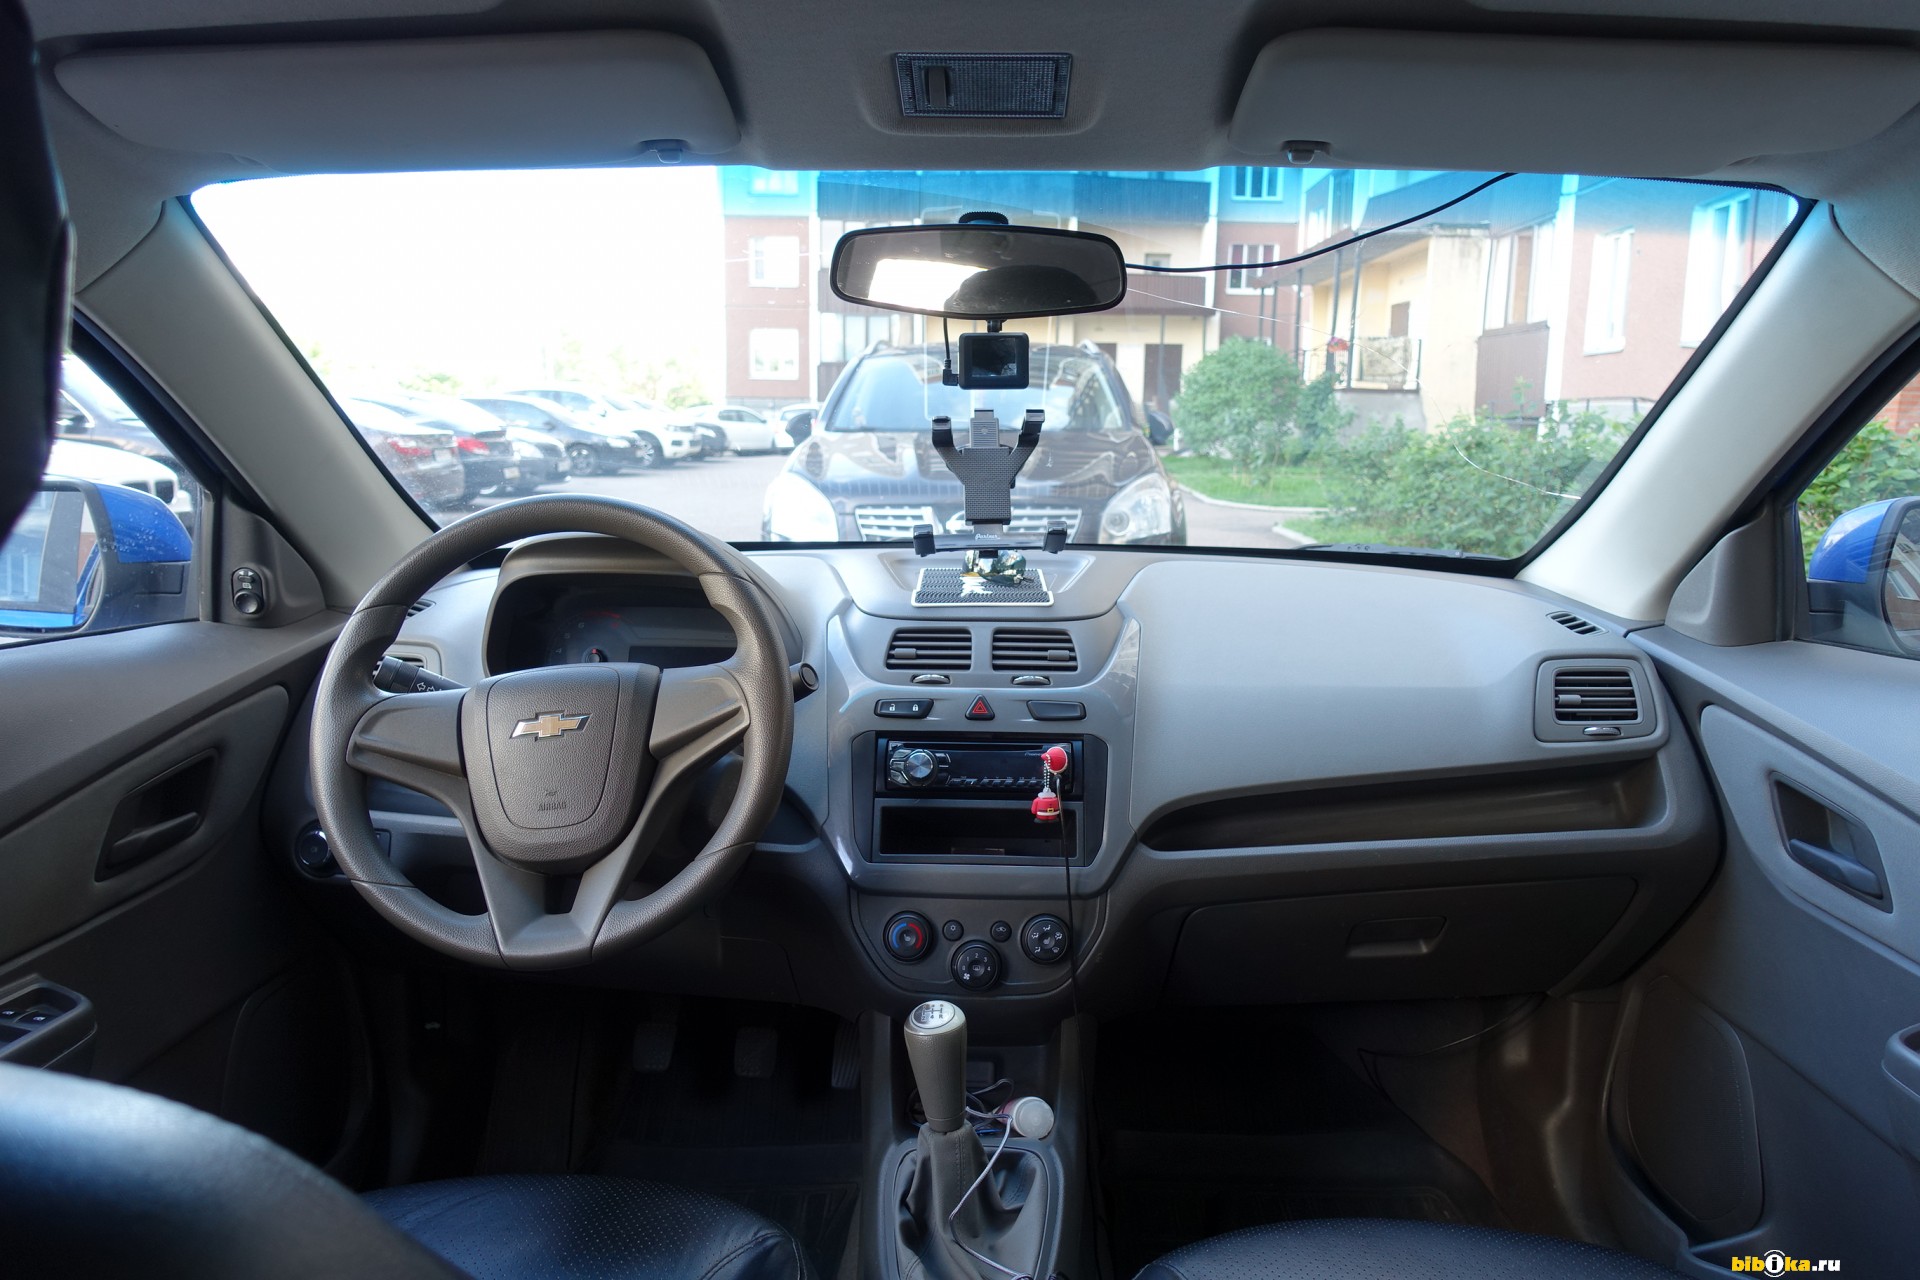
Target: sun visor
x: 476, y: 102
x: 1548, y: 104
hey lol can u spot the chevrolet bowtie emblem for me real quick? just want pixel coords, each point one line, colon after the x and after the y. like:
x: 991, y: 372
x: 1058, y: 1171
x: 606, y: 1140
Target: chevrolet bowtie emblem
x: 549, y: 724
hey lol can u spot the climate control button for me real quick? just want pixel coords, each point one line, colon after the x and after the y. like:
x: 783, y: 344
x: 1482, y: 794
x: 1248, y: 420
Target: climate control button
x: 976, y: 966
x: 908, y: 935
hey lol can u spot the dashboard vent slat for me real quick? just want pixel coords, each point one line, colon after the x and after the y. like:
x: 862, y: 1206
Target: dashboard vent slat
x: 1033, y: 649
x: 1595, y: 695
x: 1574, y: 623
x: 930, y: 649
x: 419, y: 606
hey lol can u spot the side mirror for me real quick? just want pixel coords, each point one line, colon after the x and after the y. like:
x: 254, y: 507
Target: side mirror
x: 1863, y: 582
x: 1159, y: 427
x: 87, y: 557
x: 800, y: 426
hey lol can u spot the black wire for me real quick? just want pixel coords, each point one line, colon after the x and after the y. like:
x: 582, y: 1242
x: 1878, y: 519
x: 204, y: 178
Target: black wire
x: 1303, y: 257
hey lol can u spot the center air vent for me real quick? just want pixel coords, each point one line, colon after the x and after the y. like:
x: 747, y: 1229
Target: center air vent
x: 1033, y: 649
x: 1595, y: 695
x: 930, y: 649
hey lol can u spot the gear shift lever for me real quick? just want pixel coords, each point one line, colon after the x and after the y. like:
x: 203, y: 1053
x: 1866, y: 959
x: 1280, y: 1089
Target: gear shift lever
x: 936, y: 1035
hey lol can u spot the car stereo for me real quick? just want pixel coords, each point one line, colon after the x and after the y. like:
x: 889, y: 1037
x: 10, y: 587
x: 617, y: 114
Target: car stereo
x: 972, y: 767
x: 968, y: 799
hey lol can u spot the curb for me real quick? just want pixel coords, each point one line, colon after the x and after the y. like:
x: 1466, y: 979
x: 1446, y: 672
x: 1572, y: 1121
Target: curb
x: 1197, y: 496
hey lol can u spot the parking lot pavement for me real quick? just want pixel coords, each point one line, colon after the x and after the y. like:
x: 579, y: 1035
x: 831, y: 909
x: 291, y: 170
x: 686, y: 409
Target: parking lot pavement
x: 720, y: 496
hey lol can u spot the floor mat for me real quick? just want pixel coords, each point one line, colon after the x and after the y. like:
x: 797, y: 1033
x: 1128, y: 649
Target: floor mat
x: 782, y: 1142
x: 1212, y: 1122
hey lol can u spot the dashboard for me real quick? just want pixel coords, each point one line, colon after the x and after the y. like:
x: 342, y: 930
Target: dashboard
x: 1285, y: 780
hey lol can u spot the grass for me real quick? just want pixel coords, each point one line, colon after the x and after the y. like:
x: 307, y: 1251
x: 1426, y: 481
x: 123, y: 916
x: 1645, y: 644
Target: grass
x: 1216, y: 478
x: 1336, y: 529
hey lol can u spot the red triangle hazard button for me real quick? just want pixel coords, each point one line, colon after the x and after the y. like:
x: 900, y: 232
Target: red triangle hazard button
x: 980, y: 710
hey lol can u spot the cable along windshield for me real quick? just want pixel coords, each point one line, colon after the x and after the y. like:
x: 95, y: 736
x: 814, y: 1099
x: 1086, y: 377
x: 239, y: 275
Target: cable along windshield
x: 1444, y: 373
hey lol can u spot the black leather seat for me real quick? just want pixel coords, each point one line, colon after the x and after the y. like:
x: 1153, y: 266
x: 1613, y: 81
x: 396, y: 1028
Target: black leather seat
x: 101, y: 1181
x: 1385, y: 1249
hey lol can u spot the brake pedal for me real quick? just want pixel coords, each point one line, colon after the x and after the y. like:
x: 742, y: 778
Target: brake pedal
x: 653, y: 1046
x: 846, y: 1056
x: 754, y: 1050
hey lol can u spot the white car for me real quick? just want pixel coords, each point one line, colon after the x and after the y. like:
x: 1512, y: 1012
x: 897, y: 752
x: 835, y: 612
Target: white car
x: 104, y: 464
x: 656, y: 441
x: 746, y: 431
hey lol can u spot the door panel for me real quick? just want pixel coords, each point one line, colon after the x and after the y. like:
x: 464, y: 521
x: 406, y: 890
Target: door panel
x: 1800, y: 980
x: 189, y: 935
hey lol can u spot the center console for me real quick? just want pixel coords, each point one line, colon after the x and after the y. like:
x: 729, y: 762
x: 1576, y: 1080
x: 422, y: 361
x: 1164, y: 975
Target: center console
x: 943, y: 798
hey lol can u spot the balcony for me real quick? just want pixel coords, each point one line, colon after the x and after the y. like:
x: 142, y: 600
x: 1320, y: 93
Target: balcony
x: 1389, y: 363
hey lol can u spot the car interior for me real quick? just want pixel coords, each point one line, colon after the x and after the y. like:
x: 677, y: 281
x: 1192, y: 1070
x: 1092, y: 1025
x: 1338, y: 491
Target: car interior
x: 981, y: 862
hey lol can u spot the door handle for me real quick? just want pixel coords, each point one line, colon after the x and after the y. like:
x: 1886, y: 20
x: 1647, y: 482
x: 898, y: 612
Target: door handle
x: 155, y: 817
x: 143, y: 842
x: 1835, y: 867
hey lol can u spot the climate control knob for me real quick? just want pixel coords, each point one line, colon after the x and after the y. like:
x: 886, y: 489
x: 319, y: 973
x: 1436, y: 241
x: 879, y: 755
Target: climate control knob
x: 907, y: 936
x: 1045, y: 939
x: 976, y: 966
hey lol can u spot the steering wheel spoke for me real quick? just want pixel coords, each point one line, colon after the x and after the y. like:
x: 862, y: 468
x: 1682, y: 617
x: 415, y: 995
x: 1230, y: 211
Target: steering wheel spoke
x: 413, y: 739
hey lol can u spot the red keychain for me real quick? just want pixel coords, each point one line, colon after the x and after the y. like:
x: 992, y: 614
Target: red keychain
x: 1046, y: 805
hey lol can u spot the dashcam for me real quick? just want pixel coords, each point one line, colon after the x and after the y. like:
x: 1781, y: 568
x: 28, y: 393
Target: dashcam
x: 993, y: 361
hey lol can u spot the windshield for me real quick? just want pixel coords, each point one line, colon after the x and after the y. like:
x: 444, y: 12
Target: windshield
x: 1455, y: 380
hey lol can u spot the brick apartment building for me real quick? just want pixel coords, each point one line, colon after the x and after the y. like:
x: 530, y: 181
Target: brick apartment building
x: 788, y: 337
x: 1589, y: 291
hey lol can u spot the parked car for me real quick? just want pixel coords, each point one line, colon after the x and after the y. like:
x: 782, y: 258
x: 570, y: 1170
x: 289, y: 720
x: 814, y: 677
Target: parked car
x: 742, y: 429
x: 106, y: 464
x: 541, y: 458
x: 657, y: 442
x: 425, y: 460
x: 485, y: 451
x: 89, y: 410
x: 785, y: 418
x: 868, y: 472
x: 594, y: 445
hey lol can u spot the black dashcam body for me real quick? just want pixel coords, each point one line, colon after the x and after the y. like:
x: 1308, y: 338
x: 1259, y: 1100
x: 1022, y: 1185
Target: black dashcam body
x: 993, y: 361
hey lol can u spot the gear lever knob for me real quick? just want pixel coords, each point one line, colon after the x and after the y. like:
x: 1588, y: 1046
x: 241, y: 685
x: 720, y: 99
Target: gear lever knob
x: 937, y: 1047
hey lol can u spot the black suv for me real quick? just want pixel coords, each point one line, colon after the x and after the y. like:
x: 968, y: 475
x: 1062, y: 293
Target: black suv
x: 868, y: 471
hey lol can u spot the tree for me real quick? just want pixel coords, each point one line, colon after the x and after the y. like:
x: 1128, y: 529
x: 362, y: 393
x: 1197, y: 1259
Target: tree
x: 1877, y: 463
x: 1246, y: 402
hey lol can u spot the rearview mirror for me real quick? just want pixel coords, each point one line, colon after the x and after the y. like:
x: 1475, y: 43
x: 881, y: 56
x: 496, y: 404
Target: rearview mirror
x: 89, y: 557
x: 1863, y: 581
x: 979, y: 270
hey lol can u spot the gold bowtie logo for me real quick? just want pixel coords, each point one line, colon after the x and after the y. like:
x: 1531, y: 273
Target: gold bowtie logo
x: 549, y: 724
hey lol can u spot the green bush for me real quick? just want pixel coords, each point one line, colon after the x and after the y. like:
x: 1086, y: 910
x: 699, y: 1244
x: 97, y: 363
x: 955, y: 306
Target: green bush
x: 1876, y: 464
x: 1475, y: 484
x: 1245, y: 402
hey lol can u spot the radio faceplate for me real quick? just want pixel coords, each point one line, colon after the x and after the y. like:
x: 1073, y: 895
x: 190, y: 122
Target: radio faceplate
x: 1003, y: 768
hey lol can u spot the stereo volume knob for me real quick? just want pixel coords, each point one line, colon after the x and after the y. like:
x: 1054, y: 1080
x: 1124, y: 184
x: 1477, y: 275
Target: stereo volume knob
x: 919, y: 765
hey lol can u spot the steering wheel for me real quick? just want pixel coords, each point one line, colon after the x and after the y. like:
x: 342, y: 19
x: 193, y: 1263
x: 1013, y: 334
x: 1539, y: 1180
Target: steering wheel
x: 563, y: 778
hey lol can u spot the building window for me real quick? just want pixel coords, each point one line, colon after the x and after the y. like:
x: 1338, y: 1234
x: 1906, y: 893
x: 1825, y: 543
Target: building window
x: 1607, y: 292
x: 1519, y: 277
x: 1240, y: 281
x: 1340, y: 199
x: 1256, y: 184
x: 773, y: 262
x: 1718, y: 261
x: 774, y: 182
x: 1157, y: 260
x: 773, y: 355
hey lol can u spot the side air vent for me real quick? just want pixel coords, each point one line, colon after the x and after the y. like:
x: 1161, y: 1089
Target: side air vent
x: 1595, y: 695
x: 1033, y: 649
x: 930, y: 649
x: 419, y: 606
x: 1574, y: 623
